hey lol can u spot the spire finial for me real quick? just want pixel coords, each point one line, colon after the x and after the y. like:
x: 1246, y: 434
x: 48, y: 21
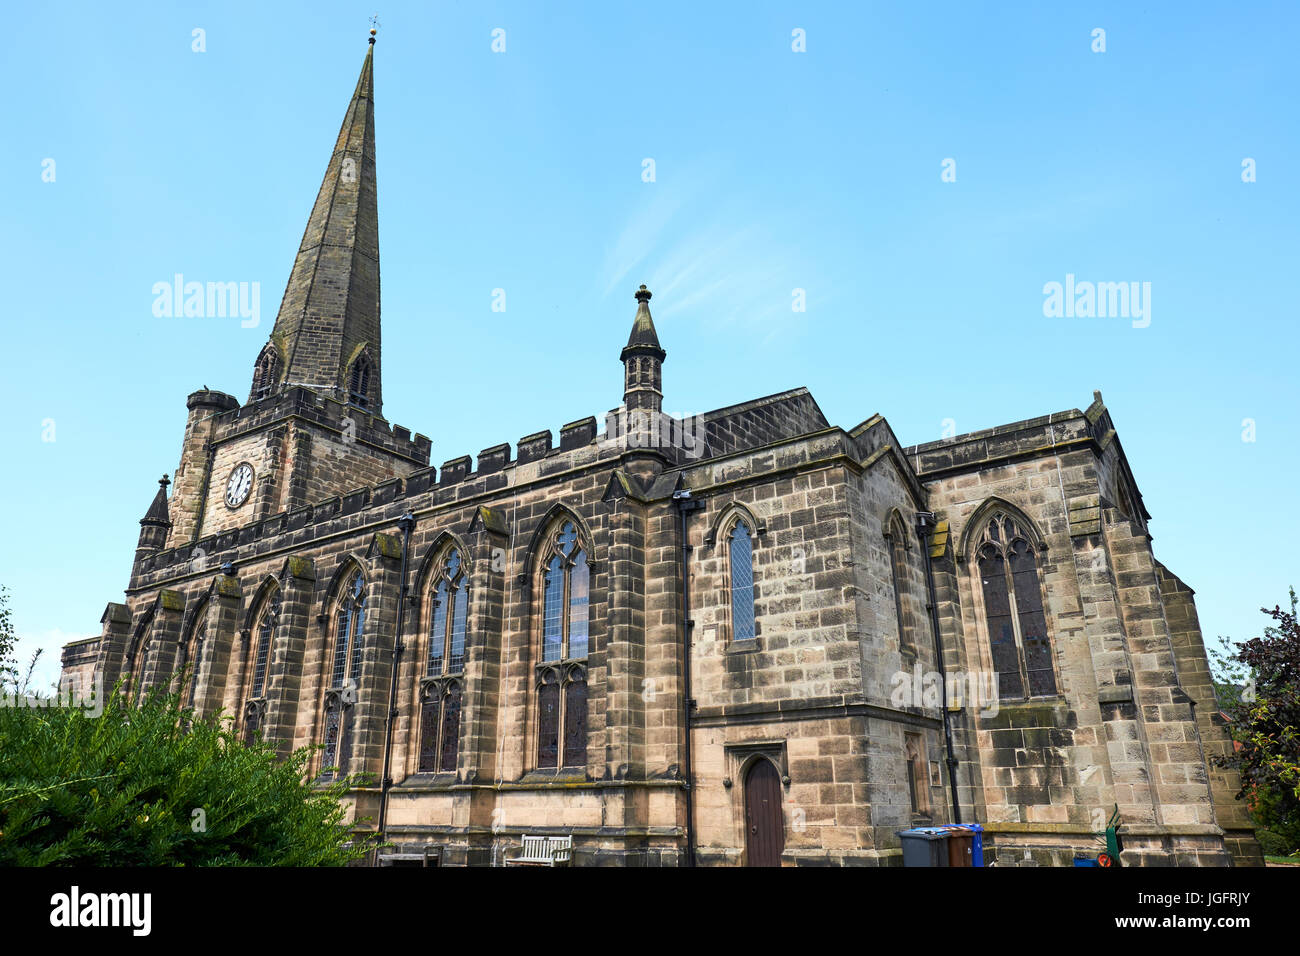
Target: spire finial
x: 374, y: 28
x: 163, y: 482
x: 643, y: 327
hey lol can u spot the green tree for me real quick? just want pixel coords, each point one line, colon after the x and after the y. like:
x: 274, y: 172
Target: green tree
x: 10, y: 681
x: 1264, y: 717
x: 8, y: 640
x: 1230, y: 676
x: 150, y: 786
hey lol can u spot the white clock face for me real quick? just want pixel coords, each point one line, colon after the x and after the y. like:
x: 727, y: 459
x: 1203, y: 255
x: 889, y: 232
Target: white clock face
x: 239, y: 485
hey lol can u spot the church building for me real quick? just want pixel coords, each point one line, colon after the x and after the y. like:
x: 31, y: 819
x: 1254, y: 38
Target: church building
x: 746, y: 638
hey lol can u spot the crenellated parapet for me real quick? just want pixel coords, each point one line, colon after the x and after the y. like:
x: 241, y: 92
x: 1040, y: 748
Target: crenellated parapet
x: 349, y: 422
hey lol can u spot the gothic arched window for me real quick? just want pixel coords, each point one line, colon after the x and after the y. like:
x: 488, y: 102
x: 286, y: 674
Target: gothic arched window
x: 562, y: 673
x: 440, y: 688
x: 1013, y: 609
x: 740, y: 560
x: 139, y: 656
x: 903, y: 606
x: 359, y: 382
x: 345, y: 672
x: 263, y: 636
x: 266, y: 373
x: 137, y: 667
x: 194, y: 656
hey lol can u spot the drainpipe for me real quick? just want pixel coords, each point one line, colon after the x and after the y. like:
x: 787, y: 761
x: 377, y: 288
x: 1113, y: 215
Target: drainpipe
x: 924, y: 524
x: 685, y: 505
x: 407, y: 523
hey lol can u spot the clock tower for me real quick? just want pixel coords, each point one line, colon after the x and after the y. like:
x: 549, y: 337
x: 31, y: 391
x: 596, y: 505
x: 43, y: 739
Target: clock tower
x: 312, y: 427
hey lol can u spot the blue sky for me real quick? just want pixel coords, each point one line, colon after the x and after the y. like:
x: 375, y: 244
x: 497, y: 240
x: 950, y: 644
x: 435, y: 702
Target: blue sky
x: 774, y: 170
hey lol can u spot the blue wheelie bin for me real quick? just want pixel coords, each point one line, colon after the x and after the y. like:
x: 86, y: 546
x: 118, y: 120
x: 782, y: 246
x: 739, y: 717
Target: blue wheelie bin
x: 975, y: 833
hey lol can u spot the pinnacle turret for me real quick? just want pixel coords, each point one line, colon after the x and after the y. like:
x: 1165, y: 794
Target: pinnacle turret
x: 643, y: 360
x: 156, y: 523
x: 157, y: 513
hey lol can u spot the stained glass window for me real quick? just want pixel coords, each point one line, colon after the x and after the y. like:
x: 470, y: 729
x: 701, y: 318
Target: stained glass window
x: 140, y: 659
x: 430, y: 713
x: 579, y: 601
x: 575, y: 722
x: 1013, y: 609
x: 459, y: 608
x: 548, y: 720
x: 552, y: 625
x: 347, y: 715
x: 566, y: 641
x: 450, y: 728
x: 449, y: 600
x: 340, y: 649
x: 194, y: 659
x: 440, y: 710
x: 349, y: 643
x: 742, y: 583
x: 263, y: 636
x: 1033, y: 622
x: 438, y: 632
x: 137, y: 656
x: 333, y: 707
x: 265, y: 632
x: 358, y: 632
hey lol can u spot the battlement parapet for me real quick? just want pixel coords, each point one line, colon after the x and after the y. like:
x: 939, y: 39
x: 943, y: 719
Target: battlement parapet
x: 352, y: 421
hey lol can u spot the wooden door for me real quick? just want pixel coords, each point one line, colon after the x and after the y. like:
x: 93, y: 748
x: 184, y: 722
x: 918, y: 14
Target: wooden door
x: 764, y: 822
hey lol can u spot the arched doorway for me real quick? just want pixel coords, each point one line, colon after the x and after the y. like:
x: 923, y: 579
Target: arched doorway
x: 764, y: 821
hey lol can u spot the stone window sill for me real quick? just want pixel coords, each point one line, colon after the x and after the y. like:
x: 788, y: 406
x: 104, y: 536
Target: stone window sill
x: 566, y: 775
x: 430, y: 778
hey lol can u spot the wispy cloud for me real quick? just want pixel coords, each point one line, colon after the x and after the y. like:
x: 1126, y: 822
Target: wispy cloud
x: 708, y: 255
x: 642, y: 231
x: 1075, y: 211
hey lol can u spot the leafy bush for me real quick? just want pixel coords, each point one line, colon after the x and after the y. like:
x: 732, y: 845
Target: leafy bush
x: 1259, y: 691
x: 1277, y: 812
x: 1271, y: 843
x: 147, y: 786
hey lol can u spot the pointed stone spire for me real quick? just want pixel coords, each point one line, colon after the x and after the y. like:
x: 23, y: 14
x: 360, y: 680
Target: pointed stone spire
x: 156, y: 523
x: 643, y: 360
x: 157, y: 513
x: 326, y: 334
x: 643, y: 327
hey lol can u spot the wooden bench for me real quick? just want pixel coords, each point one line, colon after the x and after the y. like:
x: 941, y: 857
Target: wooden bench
x: 544, y: 851
x: 426, y: 856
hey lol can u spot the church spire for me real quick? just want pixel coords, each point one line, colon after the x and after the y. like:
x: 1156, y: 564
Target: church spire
x: 326, y: 334
x: 643, y: 360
